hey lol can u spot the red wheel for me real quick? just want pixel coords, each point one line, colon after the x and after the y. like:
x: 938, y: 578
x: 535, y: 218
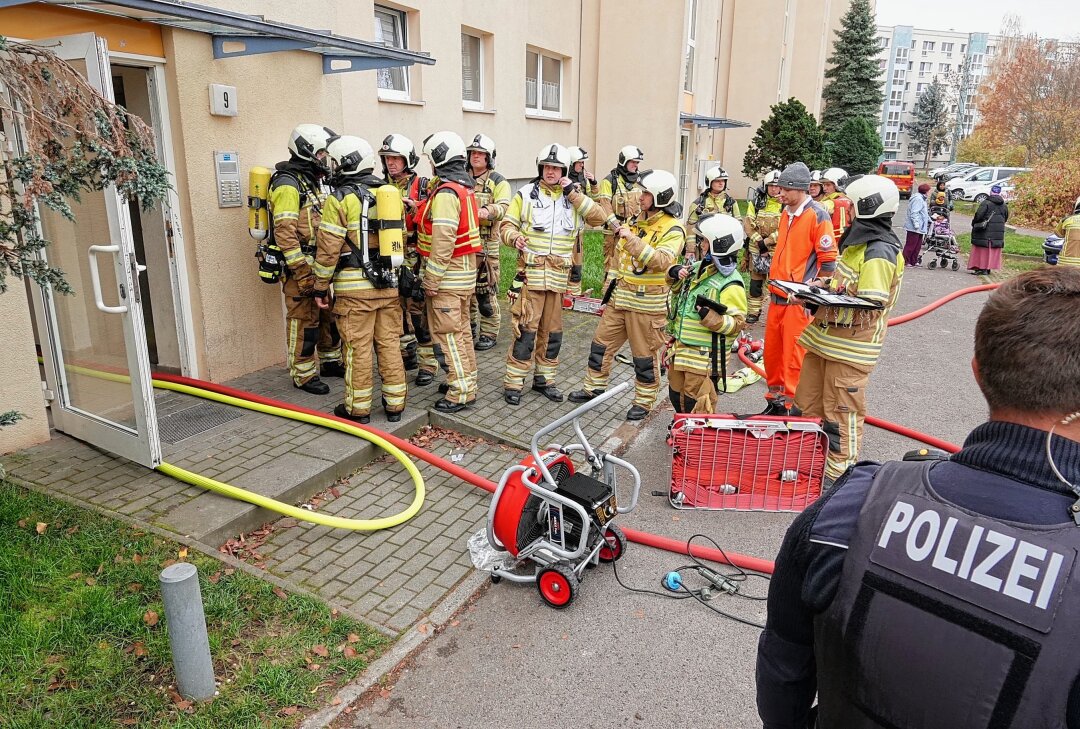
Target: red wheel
x: 616, y: 544
x: 557, y: 585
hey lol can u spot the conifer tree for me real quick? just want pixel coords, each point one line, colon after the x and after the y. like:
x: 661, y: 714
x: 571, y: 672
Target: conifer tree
x: 856, y: 146
x: 790, y: 134
x: 852, y: 87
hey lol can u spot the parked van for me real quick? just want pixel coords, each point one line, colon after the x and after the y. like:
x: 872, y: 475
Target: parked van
x: 901, y: 173
x: 976, y: 184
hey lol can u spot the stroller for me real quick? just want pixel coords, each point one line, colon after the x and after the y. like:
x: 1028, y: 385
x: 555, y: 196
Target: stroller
x: 940, y: 243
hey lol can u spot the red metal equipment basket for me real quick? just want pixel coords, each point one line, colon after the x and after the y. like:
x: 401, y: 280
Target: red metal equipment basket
x: 761, y: 463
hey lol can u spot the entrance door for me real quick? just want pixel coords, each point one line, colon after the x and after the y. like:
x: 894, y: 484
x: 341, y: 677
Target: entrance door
x: 97, y: 368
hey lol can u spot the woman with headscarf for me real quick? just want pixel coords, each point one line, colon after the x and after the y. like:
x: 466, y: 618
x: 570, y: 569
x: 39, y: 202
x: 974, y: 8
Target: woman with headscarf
x: 918, y: 222
x: 988, y: 234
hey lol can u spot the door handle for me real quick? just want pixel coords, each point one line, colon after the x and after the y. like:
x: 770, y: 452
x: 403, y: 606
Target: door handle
x: 95, y: 279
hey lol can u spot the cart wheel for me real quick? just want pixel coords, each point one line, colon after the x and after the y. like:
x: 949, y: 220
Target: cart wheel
x: 616, y: 544
x: 557, y: 585
x: 496, y: 579
x: 932, y: 265
x: 956, y: 265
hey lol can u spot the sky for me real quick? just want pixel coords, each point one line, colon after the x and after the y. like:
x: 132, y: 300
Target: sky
x: 1049, y: 18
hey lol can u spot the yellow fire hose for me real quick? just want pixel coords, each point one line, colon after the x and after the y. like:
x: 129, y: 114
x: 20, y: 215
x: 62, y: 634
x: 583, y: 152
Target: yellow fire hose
x: 234, y: 492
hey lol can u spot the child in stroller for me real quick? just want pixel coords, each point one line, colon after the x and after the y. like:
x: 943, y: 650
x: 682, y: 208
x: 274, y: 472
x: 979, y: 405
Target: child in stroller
x: 940, y: 242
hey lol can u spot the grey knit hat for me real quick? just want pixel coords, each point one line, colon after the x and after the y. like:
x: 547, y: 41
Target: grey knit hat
x: 796, y: 176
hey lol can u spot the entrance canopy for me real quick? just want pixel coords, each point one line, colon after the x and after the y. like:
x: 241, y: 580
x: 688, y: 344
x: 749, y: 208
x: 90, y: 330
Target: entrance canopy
x: 239, y: 34
x: 710, y: 122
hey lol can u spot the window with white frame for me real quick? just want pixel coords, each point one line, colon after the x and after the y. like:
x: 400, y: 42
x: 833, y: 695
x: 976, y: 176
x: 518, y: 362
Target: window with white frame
x: 903, y: 107
x: 894, y: 119
x: 895, y: 98
x: 691, y: 43
x: 890, y: 139
x: 543, y: 84
x: 920, y: 87
x: 946, y: 47
x: 390, y: 30
x: 963, y: 47
x: 898, y: 76
x: 944, y: 67
x: 927, y: 47
x: 883, y: 41
x: 881, y: 64
x: 901, y: 54
x: 472, y: 71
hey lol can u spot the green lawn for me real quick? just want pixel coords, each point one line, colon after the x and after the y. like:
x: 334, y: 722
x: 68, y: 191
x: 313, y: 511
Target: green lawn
x: 1016, y: 244
x: 83, y: 639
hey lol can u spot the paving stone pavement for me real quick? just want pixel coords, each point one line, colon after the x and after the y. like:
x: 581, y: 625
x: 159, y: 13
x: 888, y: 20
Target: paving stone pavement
x: 392, y: 577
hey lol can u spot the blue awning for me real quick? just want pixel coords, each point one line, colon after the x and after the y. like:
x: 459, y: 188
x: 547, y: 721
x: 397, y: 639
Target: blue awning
x: 252, y: 33
x: 710, y: 122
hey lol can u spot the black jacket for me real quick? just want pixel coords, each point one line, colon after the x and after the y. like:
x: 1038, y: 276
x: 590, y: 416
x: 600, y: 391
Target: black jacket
x: 1001, y: 473
x: 994, y: 210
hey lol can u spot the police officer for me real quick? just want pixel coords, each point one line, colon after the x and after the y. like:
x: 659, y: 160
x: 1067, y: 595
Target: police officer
x: 365, y: 286
x: 296, y: 204
x: 714, y: 198
x: 544, y: 221
x: 588, y: 184
x: 1069, y: 229
x: 619, y: 194
x: 493, y: 197
x: 637, y: 296
x: 762, y: 223
x: 843, y: 345
x: 709, y: 310
x: 833, y: 199
x: 448, y: 229
x: 942, y: 593
x: 399, y: 160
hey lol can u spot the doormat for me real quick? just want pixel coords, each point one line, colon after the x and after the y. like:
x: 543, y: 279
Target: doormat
x: 194, y: 420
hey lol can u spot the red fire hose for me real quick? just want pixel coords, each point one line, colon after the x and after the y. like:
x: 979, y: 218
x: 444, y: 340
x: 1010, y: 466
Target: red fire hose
x: 652, y: 540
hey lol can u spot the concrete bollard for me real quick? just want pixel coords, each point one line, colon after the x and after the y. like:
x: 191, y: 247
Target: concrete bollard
x: 186, y: 624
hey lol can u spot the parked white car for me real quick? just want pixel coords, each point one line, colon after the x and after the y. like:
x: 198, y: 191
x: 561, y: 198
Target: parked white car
x: 976, y: 184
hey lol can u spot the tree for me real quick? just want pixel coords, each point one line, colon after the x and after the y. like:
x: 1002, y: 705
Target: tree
x: 790, y: 134
x: 929, y: 125
x: 856, y: 146
x: 1030, y: 96
x: 852, y: 87
x: 77, y: 141
x: 981, y: 148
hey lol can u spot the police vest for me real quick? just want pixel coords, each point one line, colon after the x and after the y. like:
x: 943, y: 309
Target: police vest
x: 467, y: 239
x: 945, y: 618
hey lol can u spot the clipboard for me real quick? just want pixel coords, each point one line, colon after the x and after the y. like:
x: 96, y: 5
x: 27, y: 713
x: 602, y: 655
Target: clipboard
x: 821, y: 297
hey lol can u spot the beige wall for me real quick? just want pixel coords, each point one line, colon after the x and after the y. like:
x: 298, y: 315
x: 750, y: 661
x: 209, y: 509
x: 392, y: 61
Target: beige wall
x: 21, y: 389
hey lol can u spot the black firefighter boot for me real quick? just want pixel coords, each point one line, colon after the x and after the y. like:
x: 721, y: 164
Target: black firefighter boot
x: 547, y: 390
x: 315, y: 386
x: 332, y: 369
x: 409, y: 358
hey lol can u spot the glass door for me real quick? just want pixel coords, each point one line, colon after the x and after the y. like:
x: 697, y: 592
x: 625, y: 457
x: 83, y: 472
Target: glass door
x: 97, y: 368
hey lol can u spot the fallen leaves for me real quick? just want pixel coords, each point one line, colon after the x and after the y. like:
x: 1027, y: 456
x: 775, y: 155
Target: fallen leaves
x: 423, y: 628
x: 214, y: 578
x: 41, y: 527
x: 135, y: 587
x: 429, y: 434
x: 281, y: 593
x: 181, y: 703
x: 246, y: 545
x: 183, y: 553
x: 349, y: 652
x: 150, y: 618
x: 321, y: 651
x: 353, y: 638
x: 290, y: 710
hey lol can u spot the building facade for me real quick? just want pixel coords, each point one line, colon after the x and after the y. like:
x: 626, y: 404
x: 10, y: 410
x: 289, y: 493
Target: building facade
x: 910, y: 60
x: 601, y: 74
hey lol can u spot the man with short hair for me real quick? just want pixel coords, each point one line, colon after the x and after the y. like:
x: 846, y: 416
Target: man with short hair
x: 619, y: 194
x: 942, y: 593
x: 492, y: 197
x: 805, y: 250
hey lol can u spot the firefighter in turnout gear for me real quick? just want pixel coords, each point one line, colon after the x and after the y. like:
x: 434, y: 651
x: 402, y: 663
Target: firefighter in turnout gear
x: 448, y: 228
x: 543, y: 223
x: 588, y: 184
x: 762, y: 225
x: 843, y: 345
x: 638, y: 295
x: 709, y: 311
x: 295, y: 206
x: 619, y: 194
x: 365, y: 284
x: 492, y: 197
x: 940, y: 593
x: 1069, y: 229
x: 816, y: 190
x: 399, y: 162
x: 805, y: 251
x: 833, y: 199
x: 714, y: 198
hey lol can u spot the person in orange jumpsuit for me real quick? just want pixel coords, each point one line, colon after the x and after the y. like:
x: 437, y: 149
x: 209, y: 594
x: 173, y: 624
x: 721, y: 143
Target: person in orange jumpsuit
x: 805, y: 251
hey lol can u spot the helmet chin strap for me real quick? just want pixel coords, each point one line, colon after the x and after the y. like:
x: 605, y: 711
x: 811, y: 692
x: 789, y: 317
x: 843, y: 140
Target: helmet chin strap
x: 1074, y: 510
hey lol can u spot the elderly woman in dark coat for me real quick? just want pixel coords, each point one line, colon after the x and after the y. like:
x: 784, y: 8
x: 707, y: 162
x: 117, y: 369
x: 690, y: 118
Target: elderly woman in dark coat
x: 988, y: 234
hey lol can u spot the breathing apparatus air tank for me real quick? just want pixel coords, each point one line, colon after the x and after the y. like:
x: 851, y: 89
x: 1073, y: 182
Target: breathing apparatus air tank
x: 391, y: 225
x: 258, y: 205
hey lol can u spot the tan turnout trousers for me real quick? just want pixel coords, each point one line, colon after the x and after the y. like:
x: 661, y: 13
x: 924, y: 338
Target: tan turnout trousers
x: 367, y: 324
x: 645, y: 331
x: 536, y: 323
x: 835, y: 392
